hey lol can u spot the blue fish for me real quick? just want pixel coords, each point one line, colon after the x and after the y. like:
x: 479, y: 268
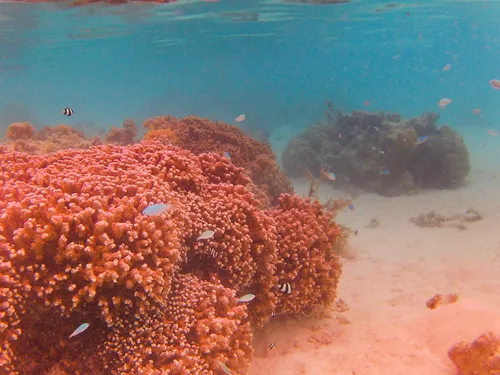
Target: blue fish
x: 386, y: 171
x: 155, y: 209
x: 79, y: 330
x: 351, y: 206
x: 227, y: 155
x: 421, y: 139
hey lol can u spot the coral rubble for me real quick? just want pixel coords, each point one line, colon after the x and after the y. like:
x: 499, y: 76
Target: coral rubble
x: 381, y: 152
x: 441, y: 300
x: 481, y: 357
x: 76, y: 248
x: 434, y: 220
x: 201, y: 135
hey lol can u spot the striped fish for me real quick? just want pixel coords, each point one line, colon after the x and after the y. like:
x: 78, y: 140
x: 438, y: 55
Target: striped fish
x: 286, y: 288
x: 271, y: 345
x: 68, y: 112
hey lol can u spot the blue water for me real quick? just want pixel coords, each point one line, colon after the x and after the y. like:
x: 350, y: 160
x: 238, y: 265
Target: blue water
x: 276, y: 63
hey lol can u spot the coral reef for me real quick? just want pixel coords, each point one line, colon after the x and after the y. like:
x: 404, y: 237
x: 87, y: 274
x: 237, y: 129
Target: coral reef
x: 201, y: 135
x: 23, y: 137
x: 434, y: 220
x: 76, y: 248
x: 481, y: 357
x: 380, y: 152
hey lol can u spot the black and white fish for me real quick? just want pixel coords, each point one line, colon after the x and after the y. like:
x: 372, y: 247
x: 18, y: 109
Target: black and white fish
x: 285, y: 288
x: 68, y: 112
x: 213, y: 253
x: 271, y: 345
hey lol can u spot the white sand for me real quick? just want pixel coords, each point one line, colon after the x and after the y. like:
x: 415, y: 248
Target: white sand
x: 397, y: 268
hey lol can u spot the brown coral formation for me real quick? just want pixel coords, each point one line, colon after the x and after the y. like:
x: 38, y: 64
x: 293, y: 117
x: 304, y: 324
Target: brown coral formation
x: 481, y: 357
x: 201, y: 135
x: 20, y: 130
x: 124, y: 136
x: 441, y: 300
x: 380, y: 152
x: 23, y: 138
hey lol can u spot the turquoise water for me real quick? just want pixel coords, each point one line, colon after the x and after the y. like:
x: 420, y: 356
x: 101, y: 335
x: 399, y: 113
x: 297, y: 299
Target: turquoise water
x: 276, y: 62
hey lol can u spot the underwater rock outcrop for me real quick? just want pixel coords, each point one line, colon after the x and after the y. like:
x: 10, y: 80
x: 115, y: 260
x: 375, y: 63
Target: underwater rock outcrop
x: 381, y: 152
x: 76, y: 247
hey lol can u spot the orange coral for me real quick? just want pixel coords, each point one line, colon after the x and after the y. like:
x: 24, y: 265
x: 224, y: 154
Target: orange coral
x: 306, y: 237
x: 481, y: 357
x: 165, y: 136
x: 201, y: 135
x: 75, y: 247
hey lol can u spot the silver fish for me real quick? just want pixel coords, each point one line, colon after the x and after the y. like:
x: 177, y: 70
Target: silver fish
x: 206, y: 235
x: 247, y: 298
x: 156, y: 209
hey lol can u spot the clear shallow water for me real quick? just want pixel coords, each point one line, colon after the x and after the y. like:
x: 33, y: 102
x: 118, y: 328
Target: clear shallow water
x: 275, y: 62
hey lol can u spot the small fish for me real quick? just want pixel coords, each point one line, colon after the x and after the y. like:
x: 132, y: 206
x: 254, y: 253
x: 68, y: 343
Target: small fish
x: 351, y: 206
x: 273, y: 314
x: 156, y: 209
x: 495, y: 83
x: 206, y: 235
x: 374, y: 148
x: 213, y: 253
x: 376, y: 128
x: 227, y: 155
x: 285, y: 288
x: 422, y: 139
x: 79, y: 330
x: 331, y: 176
x: 240, y: 118
x: 366, y: 103
x: 476, y: 111
x: 386, y: 171
x: 444, y: 102
x: 68, y: 112
x: 247, y: 298
x: 340, y: 135
x: 272, y: 345
x: 493, y: 132
x: 356, y: 232
x: 381, y: 152
x: 224, y: 368
x: 446, y: 67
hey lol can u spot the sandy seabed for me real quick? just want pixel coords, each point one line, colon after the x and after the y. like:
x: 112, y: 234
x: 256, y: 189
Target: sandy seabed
x: 391, y: 273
